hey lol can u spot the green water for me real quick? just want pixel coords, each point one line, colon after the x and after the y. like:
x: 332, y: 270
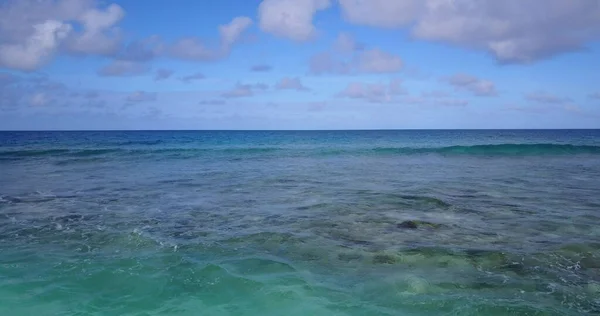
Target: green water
x: 175, y: 223
x: 136, y: 275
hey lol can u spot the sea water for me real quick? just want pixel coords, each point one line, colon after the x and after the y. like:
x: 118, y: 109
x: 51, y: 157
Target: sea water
x: 300, y: 223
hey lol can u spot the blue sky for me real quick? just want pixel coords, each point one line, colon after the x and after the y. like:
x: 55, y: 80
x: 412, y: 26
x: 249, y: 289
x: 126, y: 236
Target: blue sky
x: 299, y: 64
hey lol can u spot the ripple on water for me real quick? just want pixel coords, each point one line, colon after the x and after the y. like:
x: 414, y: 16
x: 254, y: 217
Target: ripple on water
x: 159, y: 231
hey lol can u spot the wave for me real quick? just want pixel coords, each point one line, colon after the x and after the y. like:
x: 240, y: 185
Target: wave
x: 140, y: 142
x: 55, y: 152
x: 475, y: 150
x: 31, y: 153
x: 499, y: 149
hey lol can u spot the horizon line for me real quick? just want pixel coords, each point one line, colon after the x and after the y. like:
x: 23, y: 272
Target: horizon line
x: 297, y: 130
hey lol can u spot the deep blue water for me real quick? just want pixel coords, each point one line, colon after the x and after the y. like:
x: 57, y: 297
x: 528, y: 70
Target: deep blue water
x: 300, y: 223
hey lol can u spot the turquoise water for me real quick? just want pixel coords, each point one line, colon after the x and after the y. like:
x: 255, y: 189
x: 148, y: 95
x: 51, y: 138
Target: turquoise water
x: 300, y: 223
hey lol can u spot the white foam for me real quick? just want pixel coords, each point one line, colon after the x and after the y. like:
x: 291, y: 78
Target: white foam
x: 45, y: 194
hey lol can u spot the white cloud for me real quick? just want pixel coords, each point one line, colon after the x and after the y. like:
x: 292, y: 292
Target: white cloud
x: 375, y: 92
x: 373, y: 61
x: 292, y: 19
x: 86, y: 99
x: 162, y: 74
x: 100, y: 36
x: 141, y: 96
x: 230, y: 33
x: 123, y: 68
x: 193, y: 77
x: 545, y: 97
x: 351, y: 57
x: 452, y: 102
x: 142, y: 50
x: 33, y: 31
x: 378, y: 61
x: 133, y: 59
x: 323, y: 63
x: 527, y: 109
x: 395, y: 87
x: 22, y: 92
x: 37, y: 49
x: 17, y: 91
x: 18, y: 18
x: 381, y: 13
x: 346, y: 43
x: 502, y: 28
x: 194, y: 49
x: 477, y: 86
x: 244, y: 90
x: 288, y: 83
x: 434, y: 101
x: 38, y: 99
x: 96, y: 21
x: 566, y: 107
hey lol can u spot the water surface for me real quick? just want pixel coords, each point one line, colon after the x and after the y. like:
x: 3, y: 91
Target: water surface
x: 300, y: 223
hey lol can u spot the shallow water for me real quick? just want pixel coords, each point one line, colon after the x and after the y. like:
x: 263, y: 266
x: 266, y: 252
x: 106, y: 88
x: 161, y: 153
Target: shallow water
x: 300, y: 223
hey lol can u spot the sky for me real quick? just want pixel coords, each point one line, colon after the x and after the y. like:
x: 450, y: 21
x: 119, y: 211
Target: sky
x: 299, y: 64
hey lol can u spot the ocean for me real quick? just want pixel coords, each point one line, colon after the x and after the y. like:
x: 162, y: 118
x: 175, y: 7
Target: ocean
x: 416, y: 222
